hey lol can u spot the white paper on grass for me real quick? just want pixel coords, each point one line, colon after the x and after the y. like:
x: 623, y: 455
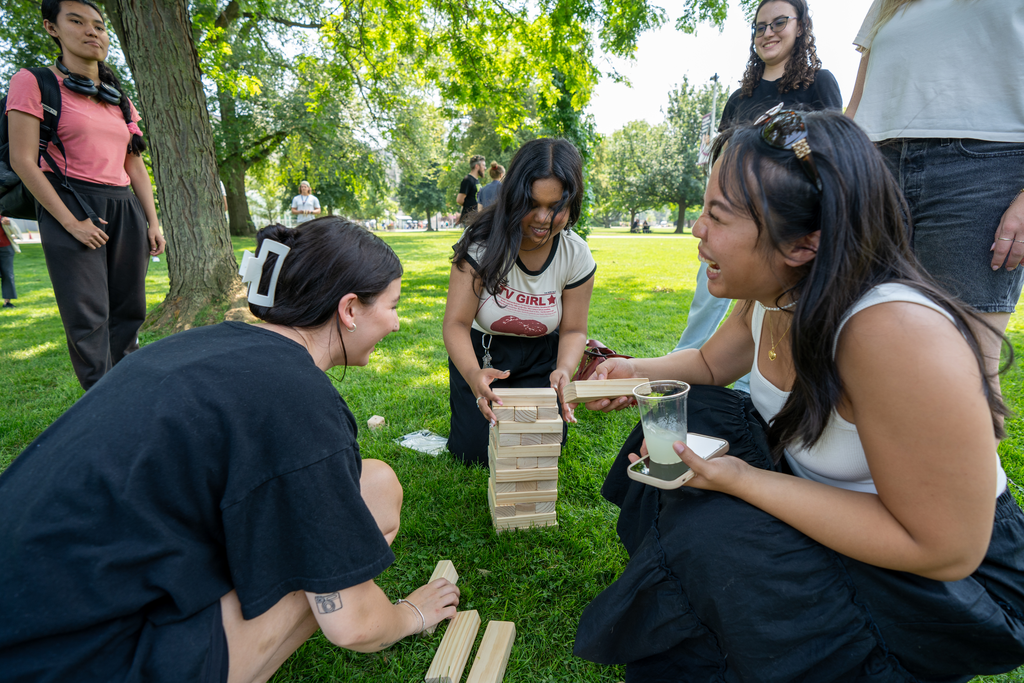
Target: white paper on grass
x: 424, y: 441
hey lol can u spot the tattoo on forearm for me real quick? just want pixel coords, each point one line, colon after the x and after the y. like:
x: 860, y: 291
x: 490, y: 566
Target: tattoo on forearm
x: 330, y: 602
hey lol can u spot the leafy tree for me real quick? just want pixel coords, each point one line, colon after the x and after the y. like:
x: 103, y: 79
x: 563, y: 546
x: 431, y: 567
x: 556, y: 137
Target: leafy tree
x: 680, y: 179
x: 632, y: 163
x: 421, y: 194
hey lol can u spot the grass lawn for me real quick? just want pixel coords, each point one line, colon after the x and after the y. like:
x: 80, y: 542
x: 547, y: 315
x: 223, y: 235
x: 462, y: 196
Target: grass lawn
x: 539, y: 579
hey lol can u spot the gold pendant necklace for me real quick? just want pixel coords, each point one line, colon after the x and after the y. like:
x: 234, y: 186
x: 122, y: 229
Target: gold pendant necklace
x: 771, y: 352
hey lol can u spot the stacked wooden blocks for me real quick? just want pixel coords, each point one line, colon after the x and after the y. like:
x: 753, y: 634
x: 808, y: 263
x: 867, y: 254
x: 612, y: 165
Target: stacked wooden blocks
x: 523, y: 455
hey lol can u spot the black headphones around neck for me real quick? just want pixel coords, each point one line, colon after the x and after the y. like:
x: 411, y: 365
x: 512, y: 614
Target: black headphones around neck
x: 85, y: 86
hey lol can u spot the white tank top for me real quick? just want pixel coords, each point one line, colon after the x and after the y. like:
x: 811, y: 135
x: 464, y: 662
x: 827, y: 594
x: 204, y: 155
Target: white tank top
x: 837, y: 459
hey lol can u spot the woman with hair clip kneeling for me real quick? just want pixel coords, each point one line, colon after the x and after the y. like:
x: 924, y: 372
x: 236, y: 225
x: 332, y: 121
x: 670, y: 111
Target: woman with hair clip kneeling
x: 202, y: 511
x: 93, y: 217
x: 868, y: 533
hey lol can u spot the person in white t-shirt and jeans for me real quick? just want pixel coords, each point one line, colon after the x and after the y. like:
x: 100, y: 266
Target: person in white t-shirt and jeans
x: 305, y: 205
x: 519, y: 293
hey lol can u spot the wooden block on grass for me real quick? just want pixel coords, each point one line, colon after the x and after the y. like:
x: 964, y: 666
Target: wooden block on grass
x: 547, y: 450
x: 444, y: 569
x: 548, y: 412
x: 453, y: 653
x: 526, y: 521
x: 535, y: 427
x: 523, y: 497
x: 525, y: 414
x: 492, y: 655
x: 593, y: 389
x: 539, y: 474
x: 548, y: 506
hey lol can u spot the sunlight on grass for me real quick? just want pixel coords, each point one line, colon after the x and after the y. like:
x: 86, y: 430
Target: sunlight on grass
x: 28, y: 354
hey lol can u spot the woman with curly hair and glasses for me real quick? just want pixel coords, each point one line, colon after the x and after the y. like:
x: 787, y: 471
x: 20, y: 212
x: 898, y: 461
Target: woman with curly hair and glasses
x: 783, y: 69
x: 861, y: 527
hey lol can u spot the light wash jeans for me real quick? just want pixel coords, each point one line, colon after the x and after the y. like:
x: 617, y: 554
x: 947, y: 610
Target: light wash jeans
x: 706, y: 313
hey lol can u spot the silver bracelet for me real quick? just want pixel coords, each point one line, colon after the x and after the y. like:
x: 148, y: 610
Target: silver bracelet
x: 423, y: 622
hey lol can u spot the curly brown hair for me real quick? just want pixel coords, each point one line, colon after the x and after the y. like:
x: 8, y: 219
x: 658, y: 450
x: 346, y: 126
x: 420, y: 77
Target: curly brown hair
x: 803, y: 64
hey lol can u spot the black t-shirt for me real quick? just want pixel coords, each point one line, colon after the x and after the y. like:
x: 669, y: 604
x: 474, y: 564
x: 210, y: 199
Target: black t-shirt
x: 469, y: 187
x: 217, y: 458
x: 823, y: 93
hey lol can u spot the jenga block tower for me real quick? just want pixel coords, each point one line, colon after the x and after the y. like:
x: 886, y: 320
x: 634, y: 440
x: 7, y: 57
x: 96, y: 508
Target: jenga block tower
x: 523, y: 453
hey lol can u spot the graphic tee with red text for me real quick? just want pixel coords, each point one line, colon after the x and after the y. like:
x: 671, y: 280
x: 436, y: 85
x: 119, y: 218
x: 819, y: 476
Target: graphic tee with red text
x: 529, y: 304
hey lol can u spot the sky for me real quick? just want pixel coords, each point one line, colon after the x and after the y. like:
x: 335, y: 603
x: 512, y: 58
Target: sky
x: 666, y: 55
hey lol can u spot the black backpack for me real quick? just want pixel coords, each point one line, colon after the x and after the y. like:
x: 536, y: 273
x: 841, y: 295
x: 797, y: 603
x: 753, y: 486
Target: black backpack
x: 15, y: 199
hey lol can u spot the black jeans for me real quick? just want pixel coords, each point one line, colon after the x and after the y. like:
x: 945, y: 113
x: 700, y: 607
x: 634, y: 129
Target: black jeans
x: 718, y: 590
x: 101, y: 293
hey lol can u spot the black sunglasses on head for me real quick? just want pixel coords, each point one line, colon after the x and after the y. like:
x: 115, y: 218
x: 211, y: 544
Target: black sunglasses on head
x: 786, y: 130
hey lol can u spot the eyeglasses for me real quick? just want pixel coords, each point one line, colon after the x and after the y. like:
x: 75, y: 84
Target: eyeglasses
x: 777, y: 25
x: 786, y: 130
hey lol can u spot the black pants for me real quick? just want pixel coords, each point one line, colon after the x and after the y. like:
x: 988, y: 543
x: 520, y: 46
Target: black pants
x: 7, y: 273
x: 718, y: 590
x: 530, y: 360
x: 101, y: 293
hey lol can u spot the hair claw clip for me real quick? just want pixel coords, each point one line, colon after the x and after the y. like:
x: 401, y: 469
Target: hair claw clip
x: 252, y: 271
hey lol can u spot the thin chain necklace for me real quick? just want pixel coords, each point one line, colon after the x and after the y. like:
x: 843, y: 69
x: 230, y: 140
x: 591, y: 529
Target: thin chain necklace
x: 771, y: 352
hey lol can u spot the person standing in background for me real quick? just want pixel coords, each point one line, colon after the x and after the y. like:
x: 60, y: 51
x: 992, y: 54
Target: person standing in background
x: 305, y: 205
x: 783, y: 69
x: 7, y: 251
x: 949, y: 121
x: 489, y: 194
x: 99, y: 225
x: 467, y: 197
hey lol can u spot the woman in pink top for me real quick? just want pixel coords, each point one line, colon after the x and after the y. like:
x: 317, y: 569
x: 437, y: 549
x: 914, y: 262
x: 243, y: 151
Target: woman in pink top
x: 98, y: 268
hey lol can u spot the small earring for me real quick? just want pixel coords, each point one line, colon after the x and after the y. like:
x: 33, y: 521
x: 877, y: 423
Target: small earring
x: 353, y: 328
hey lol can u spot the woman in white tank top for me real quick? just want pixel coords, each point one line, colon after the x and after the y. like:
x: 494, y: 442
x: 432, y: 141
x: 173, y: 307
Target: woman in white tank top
x: 876, y: 547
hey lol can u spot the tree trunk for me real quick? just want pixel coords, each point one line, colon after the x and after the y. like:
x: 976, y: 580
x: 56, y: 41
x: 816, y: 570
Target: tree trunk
x: 681, y: 220
x: 156, y: 36
x: 232, y: 174
x: 232, y: 169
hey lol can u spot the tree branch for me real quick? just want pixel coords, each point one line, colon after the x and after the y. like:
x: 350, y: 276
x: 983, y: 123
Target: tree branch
x: 279, y: 20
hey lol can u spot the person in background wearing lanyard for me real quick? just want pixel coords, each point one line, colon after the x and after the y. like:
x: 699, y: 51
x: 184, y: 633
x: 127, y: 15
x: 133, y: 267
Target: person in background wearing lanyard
x: 98, y: 270
x: 305, y: 206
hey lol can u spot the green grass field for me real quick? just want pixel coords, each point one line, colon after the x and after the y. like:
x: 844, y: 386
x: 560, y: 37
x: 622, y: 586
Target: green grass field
x: 540, y: 579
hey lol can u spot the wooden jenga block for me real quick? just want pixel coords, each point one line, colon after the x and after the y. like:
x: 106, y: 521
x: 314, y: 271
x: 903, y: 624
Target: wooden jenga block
x: 503, y: 510
x: 550, y: 438
x: 510, y: 486
x: 543, y: 450
x: 524, y: 497
x: 591, y: 390
x: 535, y: 427
x: 445, y: 570
x: 526, y: 521
x: 492, y: 655
x: 547, y: 412
x: 504, y: 413
x: 526, y: 414
x: 529, y: 508
x: 538, y: 475
x: 546, y: 462
x: 513, y: 439
x: 526, y: 463
x: 453, y: 653
x: 526, y: 397
x: 521, y: 486
x: 549, y: 485
x: 548, y: 506
x: 531, y: 439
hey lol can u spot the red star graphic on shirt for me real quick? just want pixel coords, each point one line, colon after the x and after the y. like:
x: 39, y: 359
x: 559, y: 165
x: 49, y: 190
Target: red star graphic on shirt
x: 551, y: 299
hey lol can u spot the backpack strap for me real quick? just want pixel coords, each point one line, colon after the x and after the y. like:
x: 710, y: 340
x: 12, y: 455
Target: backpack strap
x: 49, y: 90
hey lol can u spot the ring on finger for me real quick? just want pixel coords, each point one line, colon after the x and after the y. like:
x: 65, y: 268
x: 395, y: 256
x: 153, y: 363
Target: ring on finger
x: 1006, y: 239
x: 480, y: 398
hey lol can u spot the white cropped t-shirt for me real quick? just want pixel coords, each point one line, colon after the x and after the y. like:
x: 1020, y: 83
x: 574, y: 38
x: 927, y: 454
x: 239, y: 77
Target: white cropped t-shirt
x: 838, y: 458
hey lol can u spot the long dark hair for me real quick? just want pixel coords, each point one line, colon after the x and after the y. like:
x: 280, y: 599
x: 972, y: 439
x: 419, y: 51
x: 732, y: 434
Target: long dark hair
x: 803, y: 65
x: 50, y: 11
x: 499, y: 226
x: 864, y: 242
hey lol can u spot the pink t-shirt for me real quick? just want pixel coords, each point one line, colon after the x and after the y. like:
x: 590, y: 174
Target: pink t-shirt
x: 94, y: 134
